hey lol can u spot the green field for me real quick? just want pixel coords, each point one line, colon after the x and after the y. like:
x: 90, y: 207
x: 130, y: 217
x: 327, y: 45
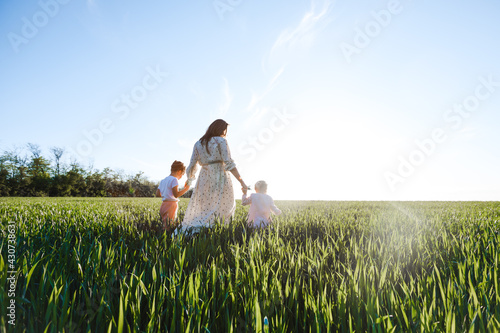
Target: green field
x: 90, y: 265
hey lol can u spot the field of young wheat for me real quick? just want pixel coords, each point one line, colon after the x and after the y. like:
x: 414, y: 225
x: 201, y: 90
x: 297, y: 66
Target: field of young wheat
x: 89, y: 265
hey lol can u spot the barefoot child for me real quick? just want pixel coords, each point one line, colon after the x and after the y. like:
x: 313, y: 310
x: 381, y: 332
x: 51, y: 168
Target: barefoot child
x: 169, y: 191
x: 259, y: 214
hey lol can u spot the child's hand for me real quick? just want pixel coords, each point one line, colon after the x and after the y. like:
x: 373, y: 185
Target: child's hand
x: 186, y: 185
x: 244, y: 189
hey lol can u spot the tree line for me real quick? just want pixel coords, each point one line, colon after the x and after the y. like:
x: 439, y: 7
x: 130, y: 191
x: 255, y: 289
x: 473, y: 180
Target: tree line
x: 26, y: 172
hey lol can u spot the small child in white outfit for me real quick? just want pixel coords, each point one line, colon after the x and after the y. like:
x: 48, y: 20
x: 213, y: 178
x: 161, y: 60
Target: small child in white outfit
x: 259, y: 214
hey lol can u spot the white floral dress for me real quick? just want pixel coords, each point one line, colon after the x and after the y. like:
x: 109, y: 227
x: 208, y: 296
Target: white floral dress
x: 213, y: 194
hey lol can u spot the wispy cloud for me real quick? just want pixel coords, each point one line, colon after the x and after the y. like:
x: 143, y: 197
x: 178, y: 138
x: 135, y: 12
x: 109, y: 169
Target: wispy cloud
x: 256, y: 98
x: 315, y: 20
x: 290, y: 40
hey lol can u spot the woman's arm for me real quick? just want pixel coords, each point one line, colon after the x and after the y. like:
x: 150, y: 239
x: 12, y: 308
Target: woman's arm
x: 229, y: 163
x: 193, y: 164
x: 236, y: 174
x: 226, y: 154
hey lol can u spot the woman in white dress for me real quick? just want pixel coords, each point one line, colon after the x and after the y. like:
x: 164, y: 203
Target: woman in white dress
x: 213, y: 195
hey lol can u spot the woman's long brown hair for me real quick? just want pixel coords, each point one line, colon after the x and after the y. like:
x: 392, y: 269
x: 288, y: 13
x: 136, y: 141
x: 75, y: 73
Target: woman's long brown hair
x: 216, y: 128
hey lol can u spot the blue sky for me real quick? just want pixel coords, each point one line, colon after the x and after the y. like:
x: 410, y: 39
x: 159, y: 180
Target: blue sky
x: 327, y: 100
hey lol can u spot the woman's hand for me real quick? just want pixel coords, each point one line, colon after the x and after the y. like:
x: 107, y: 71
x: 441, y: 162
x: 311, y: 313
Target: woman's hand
x: 243, y: 185
x: 237, y: 175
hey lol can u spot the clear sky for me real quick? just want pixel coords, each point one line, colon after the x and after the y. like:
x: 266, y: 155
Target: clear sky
x: 327, y: 100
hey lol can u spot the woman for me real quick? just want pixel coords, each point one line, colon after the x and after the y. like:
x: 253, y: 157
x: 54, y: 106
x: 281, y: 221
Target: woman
x: 213, y: 194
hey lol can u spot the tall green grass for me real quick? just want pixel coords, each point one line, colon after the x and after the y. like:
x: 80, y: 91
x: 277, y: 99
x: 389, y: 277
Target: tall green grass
x: 93, y: 265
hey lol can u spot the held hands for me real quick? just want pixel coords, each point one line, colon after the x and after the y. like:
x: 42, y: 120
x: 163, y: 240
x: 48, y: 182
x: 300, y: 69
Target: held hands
x: 243, y: 186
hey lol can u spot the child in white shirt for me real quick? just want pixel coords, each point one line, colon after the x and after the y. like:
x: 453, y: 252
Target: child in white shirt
x: 169, y: 191
x: 259, y: 214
